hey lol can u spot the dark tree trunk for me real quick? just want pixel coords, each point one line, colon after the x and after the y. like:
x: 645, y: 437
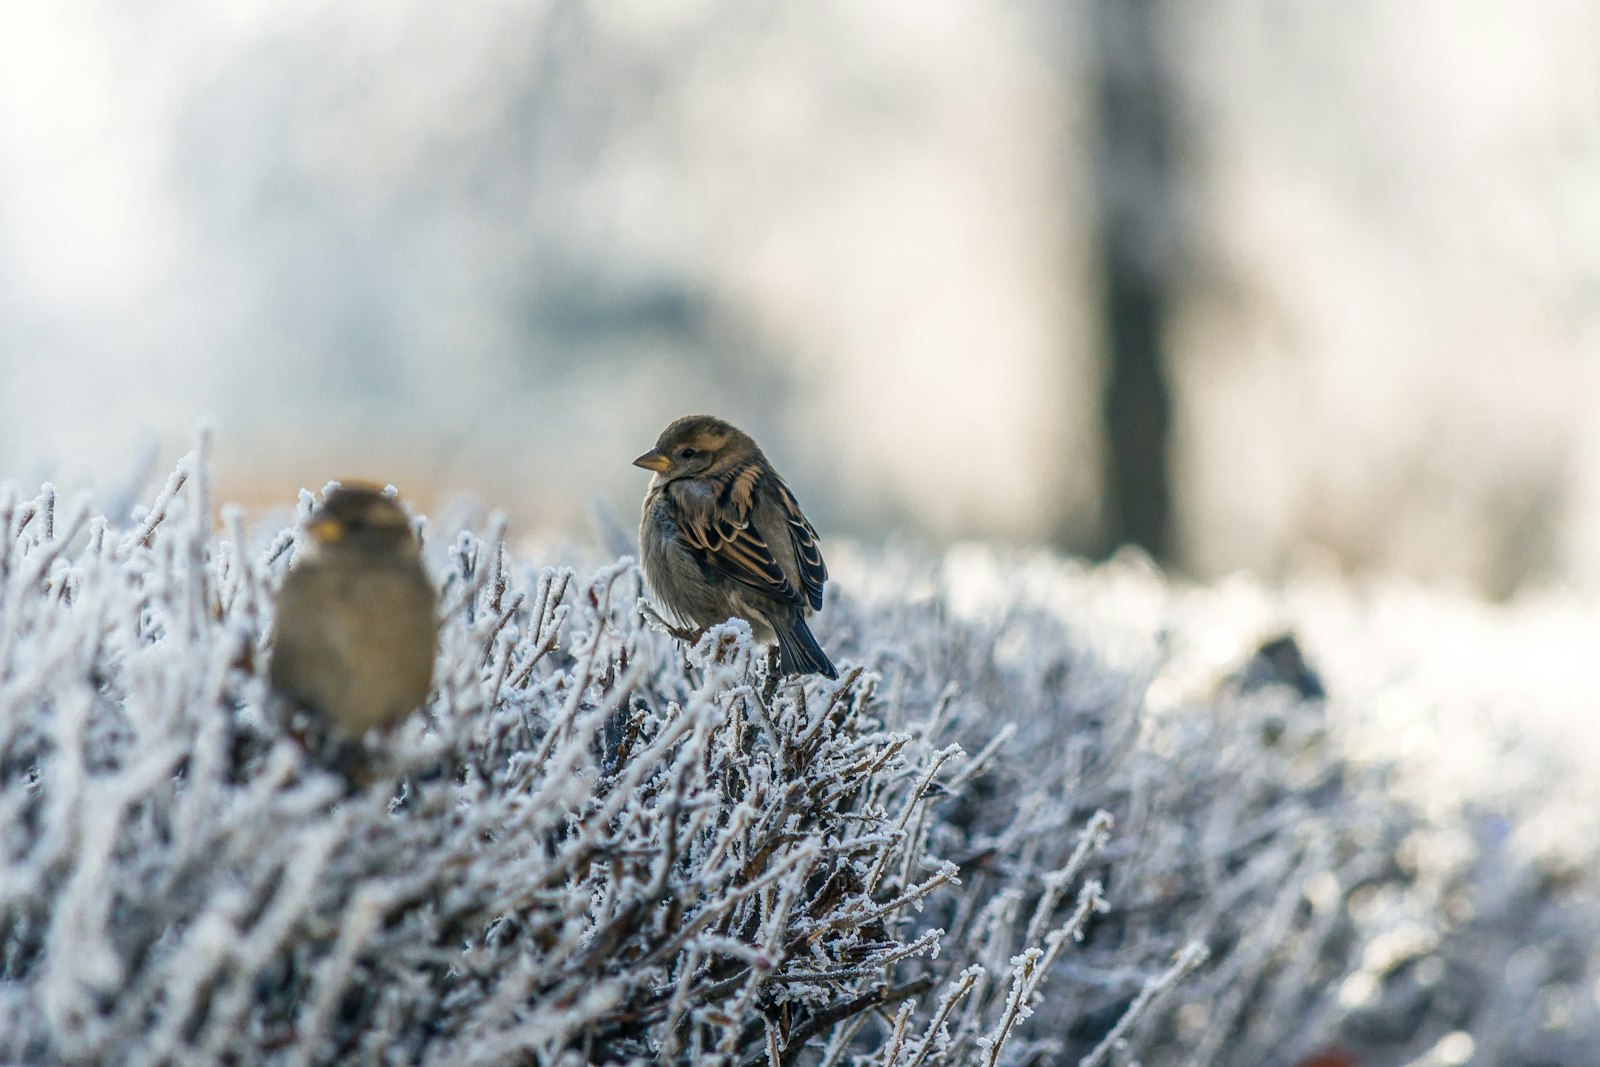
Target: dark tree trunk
x: 1138, y: 247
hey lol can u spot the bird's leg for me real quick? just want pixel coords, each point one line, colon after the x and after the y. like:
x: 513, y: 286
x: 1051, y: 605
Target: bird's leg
x: 351, y: 761
x: 682, y: 633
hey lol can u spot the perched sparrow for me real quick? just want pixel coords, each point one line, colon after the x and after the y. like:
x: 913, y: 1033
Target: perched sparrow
x: 357, y: 627
x: 722, y: 536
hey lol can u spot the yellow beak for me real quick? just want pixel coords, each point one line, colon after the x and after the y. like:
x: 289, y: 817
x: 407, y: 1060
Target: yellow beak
x: 653, y: 460
x: 327, y: 531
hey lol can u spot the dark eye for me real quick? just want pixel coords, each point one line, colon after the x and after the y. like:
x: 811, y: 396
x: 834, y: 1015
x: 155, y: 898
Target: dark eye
x: 686, y: 453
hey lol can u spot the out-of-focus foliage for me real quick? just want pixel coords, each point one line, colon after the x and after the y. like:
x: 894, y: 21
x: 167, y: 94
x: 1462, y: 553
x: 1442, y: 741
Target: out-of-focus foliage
x: 437, y: 245
x: 1013, y: 832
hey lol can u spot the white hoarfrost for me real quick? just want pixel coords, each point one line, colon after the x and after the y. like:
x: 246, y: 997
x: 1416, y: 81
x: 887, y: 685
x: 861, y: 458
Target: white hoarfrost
x: 1017, y: 830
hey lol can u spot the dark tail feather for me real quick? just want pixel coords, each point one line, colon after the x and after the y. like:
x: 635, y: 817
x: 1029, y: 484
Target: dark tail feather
x: 798, y: 651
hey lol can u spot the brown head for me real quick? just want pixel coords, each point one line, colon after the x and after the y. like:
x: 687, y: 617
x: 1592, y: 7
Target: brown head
x: 361, y: 518
x: 696, y: 445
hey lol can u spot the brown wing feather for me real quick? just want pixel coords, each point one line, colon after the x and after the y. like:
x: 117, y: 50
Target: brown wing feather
x: 726, y: 540
x: 813, y: 572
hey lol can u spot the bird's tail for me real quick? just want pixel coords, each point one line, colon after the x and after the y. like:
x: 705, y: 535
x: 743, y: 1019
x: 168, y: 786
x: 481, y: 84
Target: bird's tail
x: 798, y: 651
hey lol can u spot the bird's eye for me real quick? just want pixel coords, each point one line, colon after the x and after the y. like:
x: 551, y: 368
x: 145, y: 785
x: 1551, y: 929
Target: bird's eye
x: 686, y: 453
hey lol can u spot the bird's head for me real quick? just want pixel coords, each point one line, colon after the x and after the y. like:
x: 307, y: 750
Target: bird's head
x: 696, y: 445
x: 362, y: 518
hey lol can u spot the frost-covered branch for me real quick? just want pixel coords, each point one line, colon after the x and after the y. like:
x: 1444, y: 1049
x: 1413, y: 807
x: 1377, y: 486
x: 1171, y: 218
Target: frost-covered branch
x: 593, y: 845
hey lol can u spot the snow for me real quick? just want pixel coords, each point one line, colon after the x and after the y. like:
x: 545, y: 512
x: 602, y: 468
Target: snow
x: 1040, y: 818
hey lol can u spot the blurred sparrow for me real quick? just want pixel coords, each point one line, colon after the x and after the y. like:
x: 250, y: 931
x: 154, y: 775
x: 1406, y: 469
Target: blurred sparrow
x: 721, y: 536
x: 357, y: 625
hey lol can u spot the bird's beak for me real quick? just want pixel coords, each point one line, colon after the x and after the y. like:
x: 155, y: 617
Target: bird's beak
x: 326, y: 531
x: 653, y: 460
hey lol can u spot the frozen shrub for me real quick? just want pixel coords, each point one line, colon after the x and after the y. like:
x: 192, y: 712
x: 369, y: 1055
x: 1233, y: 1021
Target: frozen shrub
x: 1008, y: 834
x: 589, y: 847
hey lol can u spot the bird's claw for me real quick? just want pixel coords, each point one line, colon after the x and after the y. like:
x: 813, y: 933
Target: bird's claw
x: 685, y: 634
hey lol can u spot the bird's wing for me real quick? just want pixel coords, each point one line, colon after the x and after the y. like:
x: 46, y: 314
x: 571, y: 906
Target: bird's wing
x: 807, y: 553
x: 724, y: 537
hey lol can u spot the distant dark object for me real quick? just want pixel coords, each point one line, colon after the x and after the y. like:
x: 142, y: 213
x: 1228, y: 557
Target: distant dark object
x: 1138, y: 173
x: 722, y: 537
x: 1279, y: 661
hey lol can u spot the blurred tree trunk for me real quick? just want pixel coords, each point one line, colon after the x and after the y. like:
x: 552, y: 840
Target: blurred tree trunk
x: 1138, y: 243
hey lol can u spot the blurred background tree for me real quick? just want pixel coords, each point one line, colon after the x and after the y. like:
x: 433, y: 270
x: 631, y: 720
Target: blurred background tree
x: 1254, y: 287
x: 1138, y: 242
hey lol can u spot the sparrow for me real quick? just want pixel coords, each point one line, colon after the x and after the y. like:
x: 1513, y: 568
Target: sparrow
x: 721, y: 536
x: 357, y: 619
